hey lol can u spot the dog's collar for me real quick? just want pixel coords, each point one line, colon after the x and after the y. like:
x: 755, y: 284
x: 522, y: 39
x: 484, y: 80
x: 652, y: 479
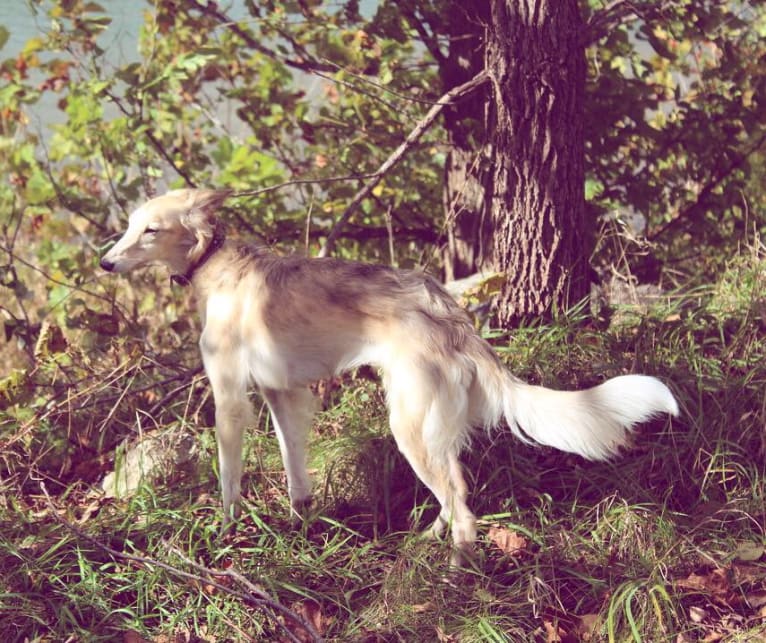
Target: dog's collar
x: 217, y: 241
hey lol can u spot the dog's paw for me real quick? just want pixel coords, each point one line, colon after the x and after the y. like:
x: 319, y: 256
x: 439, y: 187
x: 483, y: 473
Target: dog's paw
x: 436, y: 530
x: 300, y: 509
x: 464, y: 557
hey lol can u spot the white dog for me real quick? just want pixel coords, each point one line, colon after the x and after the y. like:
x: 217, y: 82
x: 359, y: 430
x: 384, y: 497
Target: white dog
x: 283, y: 322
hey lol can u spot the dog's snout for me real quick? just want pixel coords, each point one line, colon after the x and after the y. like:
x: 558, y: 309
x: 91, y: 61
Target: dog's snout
x: 107, y: 265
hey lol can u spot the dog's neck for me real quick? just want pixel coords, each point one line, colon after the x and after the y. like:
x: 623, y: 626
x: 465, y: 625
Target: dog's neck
x: 219, y: 236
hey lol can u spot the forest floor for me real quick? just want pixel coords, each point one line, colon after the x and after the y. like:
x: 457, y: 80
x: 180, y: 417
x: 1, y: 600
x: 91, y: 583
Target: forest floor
x: 665, y: 543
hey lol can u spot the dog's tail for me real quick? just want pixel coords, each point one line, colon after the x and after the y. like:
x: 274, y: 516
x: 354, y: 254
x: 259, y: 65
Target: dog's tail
x: 593, y: 423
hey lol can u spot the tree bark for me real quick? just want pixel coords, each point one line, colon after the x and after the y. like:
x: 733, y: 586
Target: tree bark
x: 514, y: 176
x: 466, y: 171
x: 535, y: 118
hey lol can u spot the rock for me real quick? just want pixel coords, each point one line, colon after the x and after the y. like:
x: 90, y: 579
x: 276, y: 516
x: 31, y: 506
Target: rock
x: 148, y: 458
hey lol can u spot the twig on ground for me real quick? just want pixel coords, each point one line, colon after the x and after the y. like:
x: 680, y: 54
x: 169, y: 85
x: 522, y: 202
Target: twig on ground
x: 190, y: 380
x: 254, y: 595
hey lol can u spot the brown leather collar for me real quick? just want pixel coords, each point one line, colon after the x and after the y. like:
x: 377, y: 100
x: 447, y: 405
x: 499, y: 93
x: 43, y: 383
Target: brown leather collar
x: 217, y: 241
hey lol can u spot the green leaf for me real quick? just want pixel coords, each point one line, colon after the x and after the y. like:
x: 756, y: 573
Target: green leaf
x: 39, y: 188
x: 593, y: 188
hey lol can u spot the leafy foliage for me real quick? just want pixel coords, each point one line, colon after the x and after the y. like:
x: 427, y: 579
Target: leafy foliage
x: 677, y: 132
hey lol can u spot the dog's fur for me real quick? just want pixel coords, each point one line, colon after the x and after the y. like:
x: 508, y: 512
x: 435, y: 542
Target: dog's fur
x: 283, y: 322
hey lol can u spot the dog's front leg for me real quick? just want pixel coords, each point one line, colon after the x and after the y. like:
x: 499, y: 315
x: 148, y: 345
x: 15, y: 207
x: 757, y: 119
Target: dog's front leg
x: 233, y: 414
x: 291, y: 413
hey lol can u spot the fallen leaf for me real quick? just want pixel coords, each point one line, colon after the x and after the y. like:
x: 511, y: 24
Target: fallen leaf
x: 756, y: 600
x: 749, y: 552
x: 133, y: 637
x: 697, y: 614
x: 311, y: 612
x: 443, y: 637
x: 714, y: 583
x: 587, y: 627
x: 553, y: 633
x: 507, y: 540
x: 209, y: 589
x: 747, y: 574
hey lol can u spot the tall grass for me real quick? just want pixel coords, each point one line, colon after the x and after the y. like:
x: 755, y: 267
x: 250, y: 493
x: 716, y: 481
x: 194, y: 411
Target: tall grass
x: 664, y: 543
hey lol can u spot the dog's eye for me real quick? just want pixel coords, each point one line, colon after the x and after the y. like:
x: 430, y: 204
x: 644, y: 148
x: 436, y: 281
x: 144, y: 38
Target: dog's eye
x: 149, y: 231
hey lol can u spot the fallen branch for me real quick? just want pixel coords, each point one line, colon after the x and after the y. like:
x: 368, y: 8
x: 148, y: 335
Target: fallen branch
x: 451, y: 97
x: 254, y: 595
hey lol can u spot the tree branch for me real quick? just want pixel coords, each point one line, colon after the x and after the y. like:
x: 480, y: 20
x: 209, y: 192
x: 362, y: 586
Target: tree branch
x: 359, y: 233
x: 156, y: 143
x: 211, y: 9
x: 616, y: 13
x: 451, y: 97
x: 714, y: 181
x: 429, y: 40
x: 279, y: 186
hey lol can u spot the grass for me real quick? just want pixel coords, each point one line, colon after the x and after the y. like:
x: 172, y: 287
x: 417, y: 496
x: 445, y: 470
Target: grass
x: 665, y: 543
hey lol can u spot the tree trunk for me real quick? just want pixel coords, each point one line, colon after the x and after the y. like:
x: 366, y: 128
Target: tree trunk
x: 535, y: 121
x: 466, y: 171
x: 469, y: 233
x: 514, y: 176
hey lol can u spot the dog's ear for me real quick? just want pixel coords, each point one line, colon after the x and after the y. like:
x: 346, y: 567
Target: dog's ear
x: 200, y: 218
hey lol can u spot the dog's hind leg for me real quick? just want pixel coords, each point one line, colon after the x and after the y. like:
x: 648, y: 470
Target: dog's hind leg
x: 457, y: 482
x: 291, y: 413
x: 427, y: 424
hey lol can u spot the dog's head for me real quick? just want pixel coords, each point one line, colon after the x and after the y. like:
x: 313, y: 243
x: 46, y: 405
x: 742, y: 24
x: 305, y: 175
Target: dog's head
x: 174, y: 230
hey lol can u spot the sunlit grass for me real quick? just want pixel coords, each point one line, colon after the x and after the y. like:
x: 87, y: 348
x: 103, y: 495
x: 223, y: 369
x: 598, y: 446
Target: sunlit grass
x: 628, y: 550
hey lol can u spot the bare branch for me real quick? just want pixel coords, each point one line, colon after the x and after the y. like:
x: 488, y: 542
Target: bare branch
x: 156, y: 143
x: 451, y: 97
x: 428, y: 39
x: 684, y: 216
x: 279, y: 186
x: 619, y: 12
x: 72, y: 286
x: 369, y: 81
x: 211, y: 9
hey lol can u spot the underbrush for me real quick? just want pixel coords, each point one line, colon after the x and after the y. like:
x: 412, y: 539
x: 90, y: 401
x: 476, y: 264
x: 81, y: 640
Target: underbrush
x: 664, y: 543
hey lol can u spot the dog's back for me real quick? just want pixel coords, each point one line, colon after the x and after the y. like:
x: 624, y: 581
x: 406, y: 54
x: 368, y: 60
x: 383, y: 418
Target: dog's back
x: 323, y: 316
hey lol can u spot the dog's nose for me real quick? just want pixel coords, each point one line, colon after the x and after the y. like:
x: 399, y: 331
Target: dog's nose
x: 107, y: 265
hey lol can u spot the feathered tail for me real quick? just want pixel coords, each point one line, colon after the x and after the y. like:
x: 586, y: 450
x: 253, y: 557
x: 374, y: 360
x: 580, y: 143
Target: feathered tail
x: 593, y: 423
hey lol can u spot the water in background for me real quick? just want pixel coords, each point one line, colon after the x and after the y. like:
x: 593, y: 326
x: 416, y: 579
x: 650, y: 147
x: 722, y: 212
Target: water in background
x: 119, y: 41
x: 24, y: 22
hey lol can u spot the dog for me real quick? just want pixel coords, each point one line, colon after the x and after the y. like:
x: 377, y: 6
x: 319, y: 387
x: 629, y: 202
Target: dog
x: 283, y: 322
